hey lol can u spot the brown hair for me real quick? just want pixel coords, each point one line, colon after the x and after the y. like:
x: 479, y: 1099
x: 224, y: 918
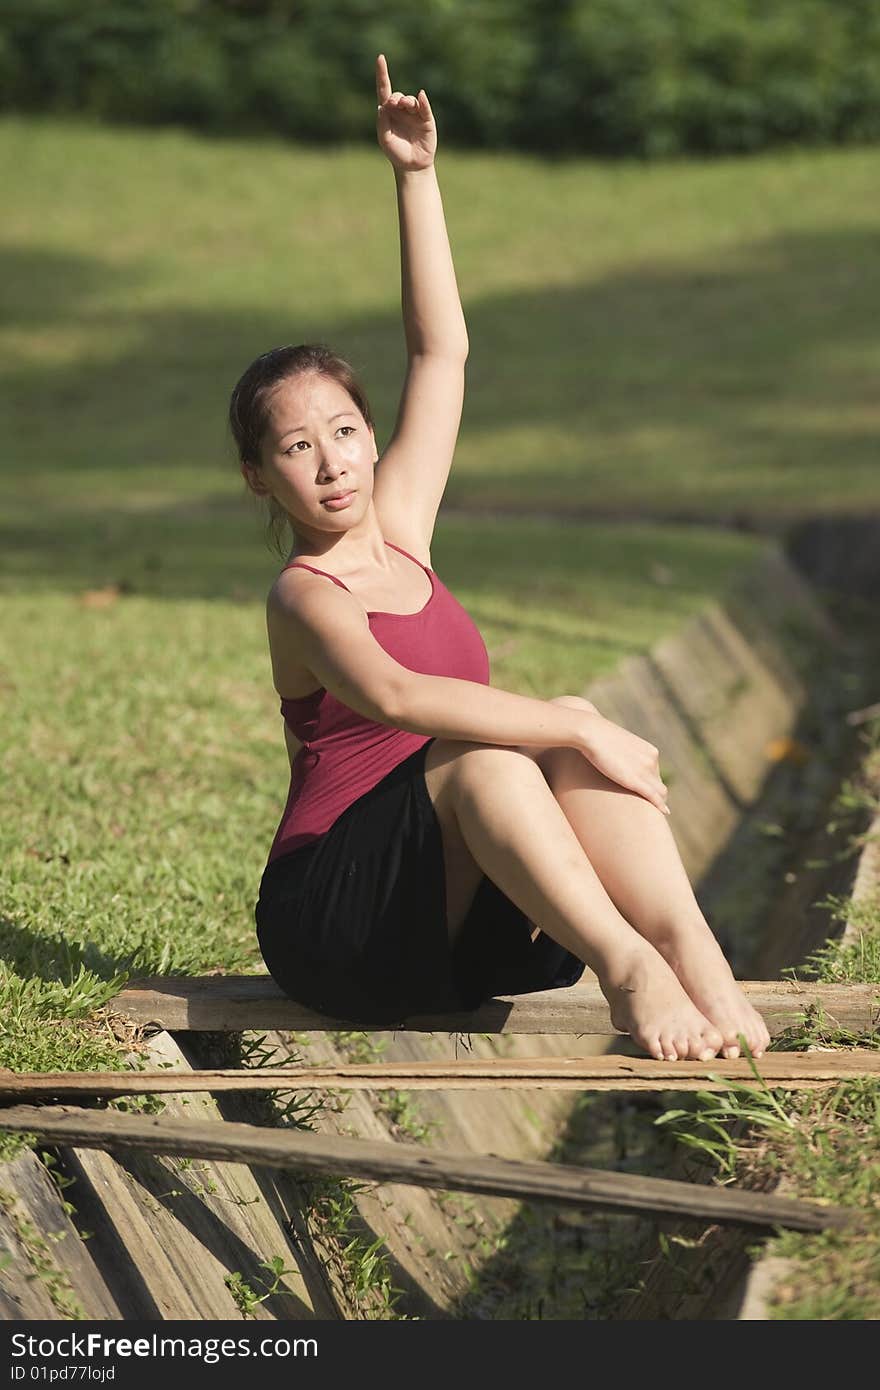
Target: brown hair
x: 249, y: 405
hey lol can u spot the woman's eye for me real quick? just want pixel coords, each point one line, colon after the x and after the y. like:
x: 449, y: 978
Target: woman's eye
x: 294, y: 448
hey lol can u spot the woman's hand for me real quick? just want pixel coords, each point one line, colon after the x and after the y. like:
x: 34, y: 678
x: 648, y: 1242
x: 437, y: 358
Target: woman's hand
x: 404, y: 125
x: 625, y: 758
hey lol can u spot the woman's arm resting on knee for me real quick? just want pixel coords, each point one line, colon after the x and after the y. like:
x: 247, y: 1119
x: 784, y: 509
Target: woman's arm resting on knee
x: 331, y: 634
x: 449, y: 708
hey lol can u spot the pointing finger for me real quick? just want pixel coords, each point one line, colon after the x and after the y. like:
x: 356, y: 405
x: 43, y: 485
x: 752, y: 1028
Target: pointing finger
x: 383, y: 81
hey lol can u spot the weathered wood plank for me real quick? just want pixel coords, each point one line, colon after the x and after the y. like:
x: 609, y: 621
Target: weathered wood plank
x: 610, y: 1072
x: 50, y: 1273
x: 166, y: 1235
x: 315, y: 1153
x: 235, y: 1003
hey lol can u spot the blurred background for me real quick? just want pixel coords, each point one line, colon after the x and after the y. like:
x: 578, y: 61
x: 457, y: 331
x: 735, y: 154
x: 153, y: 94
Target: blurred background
x: 664, y: 224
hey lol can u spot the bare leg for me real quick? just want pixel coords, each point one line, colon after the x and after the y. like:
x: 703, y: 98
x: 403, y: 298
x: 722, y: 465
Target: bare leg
x: 631, y: 846
x: 516, y: 832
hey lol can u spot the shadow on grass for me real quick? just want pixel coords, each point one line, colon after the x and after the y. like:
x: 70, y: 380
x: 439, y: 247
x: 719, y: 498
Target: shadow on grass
x: 748, y: 378
x: 33, y: 955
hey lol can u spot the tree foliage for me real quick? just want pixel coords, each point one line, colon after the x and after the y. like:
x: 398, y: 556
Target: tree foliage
x: 606, y: 77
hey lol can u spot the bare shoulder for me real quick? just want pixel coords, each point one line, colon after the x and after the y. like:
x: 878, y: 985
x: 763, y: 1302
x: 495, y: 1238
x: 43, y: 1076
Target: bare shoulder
x: 305, y: 610
x: 298, y: 597
x: 285, y: 595
x: 292, y: 605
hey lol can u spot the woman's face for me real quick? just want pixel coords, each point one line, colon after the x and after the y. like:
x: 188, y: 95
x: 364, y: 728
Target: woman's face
x: 316, y: 446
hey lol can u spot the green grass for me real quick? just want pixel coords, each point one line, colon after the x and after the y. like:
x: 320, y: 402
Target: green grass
x: 693, y: 338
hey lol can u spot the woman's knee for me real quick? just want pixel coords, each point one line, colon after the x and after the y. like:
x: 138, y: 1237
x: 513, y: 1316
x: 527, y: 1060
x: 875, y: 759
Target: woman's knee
x: 541, y: 755
x: 561, y: 764
x: 458, y: 765
x: 471, y: 768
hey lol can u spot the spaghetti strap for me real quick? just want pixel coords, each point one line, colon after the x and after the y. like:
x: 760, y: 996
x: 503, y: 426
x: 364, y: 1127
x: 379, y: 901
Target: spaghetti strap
x: 301, y: 565
x: 408, y: 556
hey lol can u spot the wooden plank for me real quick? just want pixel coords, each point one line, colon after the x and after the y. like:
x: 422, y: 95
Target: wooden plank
x: 315, y: 1153
x: 50, y: 1272
x: 236, y: 1003
x: 435, y: 1241
x: 611, y: 1072
x: 167, y: 1235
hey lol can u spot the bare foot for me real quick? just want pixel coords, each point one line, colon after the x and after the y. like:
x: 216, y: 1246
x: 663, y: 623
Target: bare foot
x: 649, y: 1003
x: 701, y: 966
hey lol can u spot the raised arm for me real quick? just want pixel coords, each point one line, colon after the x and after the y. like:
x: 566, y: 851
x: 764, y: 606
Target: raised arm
x: 413, y: 470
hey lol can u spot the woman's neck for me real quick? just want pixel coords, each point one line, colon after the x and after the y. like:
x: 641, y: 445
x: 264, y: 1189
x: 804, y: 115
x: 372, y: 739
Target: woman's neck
x: 359, y: 550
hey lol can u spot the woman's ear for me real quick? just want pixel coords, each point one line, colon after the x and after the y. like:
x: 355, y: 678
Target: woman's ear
x: 251, y: 475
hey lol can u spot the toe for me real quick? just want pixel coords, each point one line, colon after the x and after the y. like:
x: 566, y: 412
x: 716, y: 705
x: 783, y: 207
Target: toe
x: 700, y: 1051
x: 703, y: 1047
x: 731, y: 1040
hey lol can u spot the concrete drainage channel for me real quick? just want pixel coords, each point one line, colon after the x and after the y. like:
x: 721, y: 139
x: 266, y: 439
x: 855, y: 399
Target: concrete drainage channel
x: 748, y: 704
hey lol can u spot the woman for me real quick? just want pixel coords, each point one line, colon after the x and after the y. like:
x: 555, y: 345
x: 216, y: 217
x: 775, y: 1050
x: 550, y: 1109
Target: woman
x: 443, y: 840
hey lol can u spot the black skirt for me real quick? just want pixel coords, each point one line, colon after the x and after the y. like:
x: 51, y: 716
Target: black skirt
x: 354, y: 925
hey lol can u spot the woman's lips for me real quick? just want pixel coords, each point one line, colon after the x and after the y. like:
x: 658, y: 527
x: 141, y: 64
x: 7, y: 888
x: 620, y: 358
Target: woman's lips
x: 336, y: 504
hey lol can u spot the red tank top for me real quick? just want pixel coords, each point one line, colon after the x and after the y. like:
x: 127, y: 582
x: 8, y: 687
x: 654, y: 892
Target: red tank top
x: 344, y: 755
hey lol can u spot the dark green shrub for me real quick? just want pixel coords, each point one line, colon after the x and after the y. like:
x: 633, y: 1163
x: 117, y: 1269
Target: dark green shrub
x: 643, y: 78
